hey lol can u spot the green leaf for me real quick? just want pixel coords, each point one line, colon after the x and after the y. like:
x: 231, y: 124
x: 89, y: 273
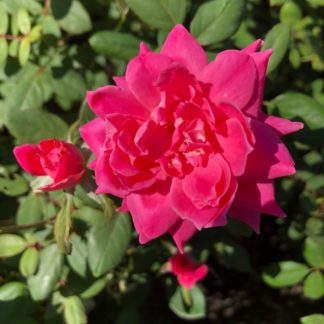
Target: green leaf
x: 11, y: 244
x: 107, y: 243
x: 285, y: 273
x: 297, y: 106
x: 74, y: 311
x: 217, y: 20
x: 50, y: 26
x: 277, y: 39
x: 314, y: 252
x: 161, y: 14
x: 13, y: 187
x: 4, y: 21
x: 78, y: 257
x: 77, y: 21
x: 88, y: 215
x: 23, y: 21
x: 94, y: 289
x: 114, y: 44
x: 71, y: 86
x: 24, y: 51
x: 31, y: 125
x: 12, y: 290
x: 30, y: 210
x: 233, y: 255
x: 29, y: 262
x: 314, y: 285
x: 196, y: 311
x: 313, y: 319
x: 3, y: 50
x: 60, y: 8
x: 63, y: 225
x: 290, y: 13
x: 50, y: 269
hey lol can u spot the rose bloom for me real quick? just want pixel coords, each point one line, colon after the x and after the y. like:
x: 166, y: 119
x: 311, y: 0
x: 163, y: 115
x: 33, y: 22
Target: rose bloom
x: 184, y: 142
x: 186, y: 270
x: 62, y: 161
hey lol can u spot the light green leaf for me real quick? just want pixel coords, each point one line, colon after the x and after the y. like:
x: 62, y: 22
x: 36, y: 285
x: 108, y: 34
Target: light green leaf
x: 74, y: 311
x: 63, y: 225
x: 94, y: 289
x: 31, y: 125
x: 29, y: 262
x: 314, y: 252
x: 23, y: 21
x: 290, y: 13
x: 297, y: 106
x: 50, y: 269
x: 313, y: 319
x: 114, y: 44
x: 78, y: 257
x: 194, y: 312
x: 3, y: 50
x: 284, y: 273
x: 11, y: 244
x: 13, y: 187
x: 12, y: 290
x: 30, y: 210
x: 50, y: 26
x: 107, y: 243
x: 314, y: 285
x: 77, y: 20
x: 161, y: 14
x: 4, y: 20
x: 277, y: 39
x: 217, y: 20
x: 24, y: 51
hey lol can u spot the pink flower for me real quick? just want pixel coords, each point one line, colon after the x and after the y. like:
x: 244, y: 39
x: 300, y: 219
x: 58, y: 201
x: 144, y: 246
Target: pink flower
x: 62, y: 161
x: 184, y: 142
x: 186, y: 270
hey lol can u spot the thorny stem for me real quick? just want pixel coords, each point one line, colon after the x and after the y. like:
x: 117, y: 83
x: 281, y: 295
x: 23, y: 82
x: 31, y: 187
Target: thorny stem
x: 12, y: 37
x: 11, y: 228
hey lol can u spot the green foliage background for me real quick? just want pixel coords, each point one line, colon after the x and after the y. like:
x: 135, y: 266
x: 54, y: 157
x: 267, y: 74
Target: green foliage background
x: 86, y: 265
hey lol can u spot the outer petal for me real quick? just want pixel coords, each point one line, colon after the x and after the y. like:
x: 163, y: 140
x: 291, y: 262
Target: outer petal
x: 65, y: 183
x: 270, y: 158
x: 233, y: 75
x: 182, y: 47
x: 253, y: 47
x: 281, y: 125
x: 261, y: 60
x: 110, y: 99
x: 151, y: 212
x: 94, y: 134
x: 28, y: 157
x: 182, y: 232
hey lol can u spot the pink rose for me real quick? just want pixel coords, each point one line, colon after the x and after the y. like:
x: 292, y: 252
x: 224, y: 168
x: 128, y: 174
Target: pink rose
x: 186, y: 270
x: 62, y: 161
x: 184, y: 142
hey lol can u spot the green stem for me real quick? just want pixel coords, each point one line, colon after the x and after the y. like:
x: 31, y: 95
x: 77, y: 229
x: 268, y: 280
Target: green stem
x: 186, y: 296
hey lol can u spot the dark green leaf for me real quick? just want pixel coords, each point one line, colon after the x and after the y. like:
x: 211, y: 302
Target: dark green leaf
x: 114, y: 44
x: 13, y: 187
x: 107, y: 243
x: 60, y: 8
x: 233, y: 255
x: 217, y: 20
x: 94, y: 289
x: 162, y: 14
x: 284, y: 273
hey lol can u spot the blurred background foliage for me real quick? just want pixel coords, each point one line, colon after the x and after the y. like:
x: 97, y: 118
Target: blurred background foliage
x: 51, y: 52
